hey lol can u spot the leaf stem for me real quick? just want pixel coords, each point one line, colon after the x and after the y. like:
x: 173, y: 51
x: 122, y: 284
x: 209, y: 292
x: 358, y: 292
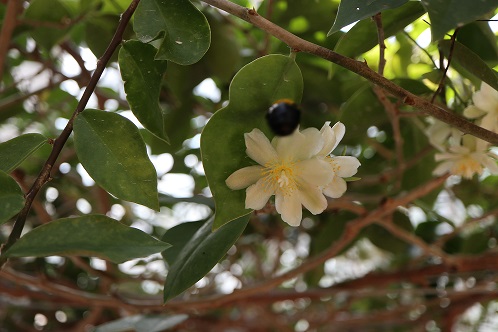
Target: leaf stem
x: 358, y: 67
x: 59, y: 142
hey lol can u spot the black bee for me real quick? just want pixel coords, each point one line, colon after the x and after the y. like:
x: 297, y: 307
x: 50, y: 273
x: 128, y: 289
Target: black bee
x: 283, y: 117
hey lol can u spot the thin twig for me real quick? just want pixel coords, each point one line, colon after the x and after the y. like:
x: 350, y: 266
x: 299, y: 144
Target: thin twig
x: 357, y: 67
x: 382, y: 45
x: 59, y: 142
x: 445, y: 71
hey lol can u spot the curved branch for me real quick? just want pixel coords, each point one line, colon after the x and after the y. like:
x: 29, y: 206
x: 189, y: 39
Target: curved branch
x: 358, y: 67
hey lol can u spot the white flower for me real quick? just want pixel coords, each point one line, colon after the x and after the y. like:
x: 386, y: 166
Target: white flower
x: 341, y: 166
x: 485, y: 106
x: 467, y: 159
x: 441, y: 134
x: 289, y: 168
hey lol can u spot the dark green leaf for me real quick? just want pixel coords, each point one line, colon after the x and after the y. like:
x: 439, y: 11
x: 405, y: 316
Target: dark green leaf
x: 142, y: 76
x: 200, y: 255
x: 184, y: 29
x: 469, y: 62
x: 91, y: 235
x: 253, y: 90
x: 363, y: 36
x: 112, y: 151
x: 479, y: 37
x: 16, y: 150
x: 178, y: 237
x: 449, y: 14
x: 11, y: 197
x: 351, y: 11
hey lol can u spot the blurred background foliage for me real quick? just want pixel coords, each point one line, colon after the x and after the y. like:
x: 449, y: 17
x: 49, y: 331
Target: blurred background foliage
x: 381, y: 279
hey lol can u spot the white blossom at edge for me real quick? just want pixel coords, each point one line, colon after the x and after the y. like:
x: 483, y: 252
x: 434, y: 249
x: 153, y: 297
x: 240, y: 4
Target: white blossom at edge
x: 485, y: 106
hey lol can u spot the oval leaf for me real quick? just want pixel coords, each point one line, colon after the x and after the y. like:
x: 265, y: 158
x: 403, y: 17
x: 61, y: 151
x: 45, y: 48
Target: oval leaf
x: 449, y: 14
x: 92, y: 235
x: 16, y: 150
x: 113, y: 152
x: 142, y: 76
x: 200, y: 255
x: 253, y: 90
x: 11, y: 197
x: 469, y: 62
x: 351, y: 11
x: 185, y: 29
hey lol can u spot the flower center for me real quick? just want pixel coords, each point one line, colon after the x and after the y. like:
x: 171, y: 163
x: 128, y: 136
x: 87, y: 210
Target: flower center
x: 281, y: 177
x: 467, y: 167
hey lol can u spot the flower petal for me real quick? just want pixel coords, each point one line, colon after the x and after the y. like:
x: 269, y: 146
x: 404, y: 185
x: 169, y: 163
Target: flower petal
x: 259, y: 147
x: 312, y: 144
x: 312, y: 199
x: 328, y: 138
x: 443, y: 168
x: 257, y: 195
x: 345, y: 166
x: 489, y: 163
x: 244, y: 177
x: 336, y: 188
x: 473, y: 112
x: 289, y: 207
x: 286, y: 146
x: 315, y: 172
x: 339, y: 130
x: 486, y: 98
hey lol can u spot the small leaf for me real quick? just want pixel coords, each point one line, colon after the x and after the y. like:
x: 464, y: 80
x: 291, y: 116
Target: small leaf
x: 351, y: 11
x: 91, y: 235
x: 185, y: 30
x: 200, y: 255
x: 253, y: 90
x: 449, y: 14
x: 352, y: 179
x: 178, y: 237
x: 363, y: 36
x: 469, y: 62
x: 16, y: 150
x: 113, y: 152
x: 142, y: 76
x: 11, y: 197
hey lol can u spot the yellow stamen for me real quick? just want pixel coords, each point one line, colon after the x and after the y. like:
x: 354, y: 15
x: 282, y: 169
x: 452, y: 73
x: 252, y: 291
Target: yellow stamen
x: 467, y: 167
x: 280, y: 176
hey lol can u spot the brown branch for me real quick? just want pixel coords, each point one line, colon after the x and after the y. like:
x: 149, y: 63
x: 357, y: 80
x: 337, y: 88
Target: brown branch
x: 357, y: 67
x: 59, y: 142
x: 13, y: 9
x: 382, y: 45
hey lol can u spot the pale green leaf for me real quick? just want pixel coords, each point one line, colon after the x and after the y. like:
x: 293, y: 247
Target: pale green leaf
x: 16, y: 150
x: 11, y: 197
x: 113, y: 152
x: 91, y: 235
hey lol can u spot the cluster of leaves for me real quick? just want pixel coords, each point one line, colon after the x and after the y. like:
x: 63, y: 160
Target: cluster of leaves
x: 173, y: 50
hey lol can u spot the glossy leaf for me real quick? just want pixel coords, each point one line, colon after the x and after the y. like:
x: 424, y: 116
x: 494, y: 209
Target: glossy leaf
x: 112, y: 151
x: 178, y: 237
x: 351, y: 11
x: 11, y: 197
x: 142, y: 323
x: 363, y: 36
x: 253, y: 90
x: 470, y: 62
x: 91, y: 235
x: 449, y: 14
x: 184, y: 29
x: 200, y: 255
x: 16, y: 150
x: 142, y: 76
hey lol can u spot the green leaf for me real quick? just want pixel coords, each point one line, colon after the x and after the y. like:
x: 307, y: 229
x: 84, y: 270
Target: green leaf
x: 51, y: 12
x: 363, y: 36
x: 142, y: 323
x: 185, y: 30
x: 91, y: 235
x: 178, y: 237
x: 113, y: 152
x: 449, y: 14
x: 253, y: 90
x: 479, y: 37
x: 467, y: 62
x: 16, y: 150
x: 11, y: 197
x: 200, y: 255
x: 142, y: 76
x: 351, y: 11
